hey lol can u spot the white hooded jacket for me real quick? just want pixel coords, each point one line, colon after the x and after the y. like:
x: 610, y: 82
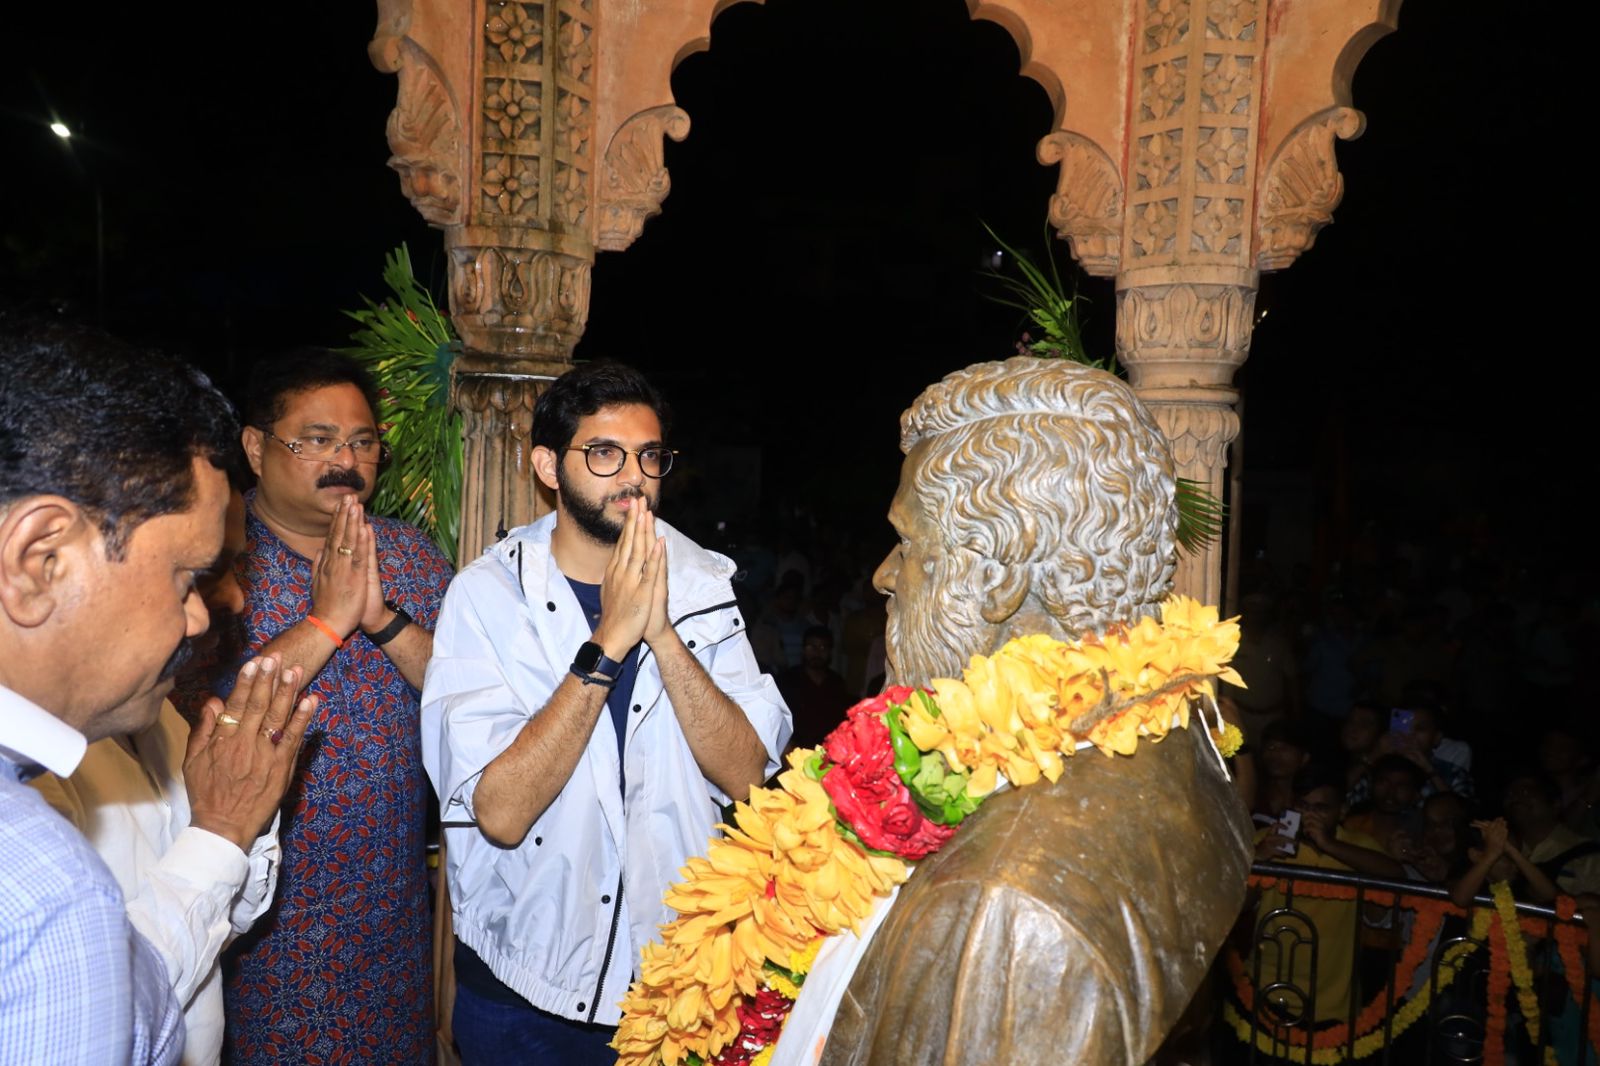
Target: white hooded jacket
x: 561, y: 918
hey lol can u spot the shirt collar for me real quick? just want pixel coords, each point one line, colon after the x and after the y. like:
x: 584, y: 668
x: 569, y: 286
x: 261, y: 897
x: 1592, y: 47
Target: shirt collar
x: 30, y: 734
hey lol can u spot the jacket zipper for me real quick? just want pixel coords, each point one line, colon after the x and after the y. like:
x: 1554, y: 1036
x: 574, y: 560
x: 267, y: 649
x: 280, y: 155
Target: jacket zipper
x: 611, y: 944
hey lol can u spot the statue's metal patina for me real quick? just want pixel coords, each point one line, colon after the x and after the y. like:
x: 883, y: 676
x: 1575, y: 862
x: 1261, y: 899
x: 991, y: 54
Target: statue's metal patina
x: 1067, y: 922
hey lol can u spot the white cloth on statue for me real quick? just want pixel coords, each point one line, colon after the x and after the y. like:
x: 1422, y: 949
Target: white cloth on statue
x: 188, y: 890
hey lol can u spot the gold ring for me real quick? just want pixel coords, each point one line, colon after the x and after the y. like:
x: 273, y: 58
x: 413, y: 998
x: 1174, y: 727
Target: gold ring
x: 227, y: 719
x: 345, y: 551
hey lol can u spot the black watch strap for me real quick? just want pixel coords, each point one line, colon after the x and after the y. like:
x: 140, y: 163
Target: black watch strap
x: 392, y: 630
x: 591, y: 659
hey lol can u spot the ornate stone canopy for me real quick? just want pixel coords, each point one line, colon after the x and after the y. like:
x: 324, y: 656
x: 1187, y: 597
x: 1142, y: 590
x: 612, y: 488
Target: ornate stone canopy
x: 1193, y: 138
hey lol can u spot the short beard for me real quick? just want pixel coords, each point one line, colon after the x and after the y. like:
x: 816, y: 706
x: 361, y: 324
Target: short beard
x: 589, y: 515
x: 939, y: 632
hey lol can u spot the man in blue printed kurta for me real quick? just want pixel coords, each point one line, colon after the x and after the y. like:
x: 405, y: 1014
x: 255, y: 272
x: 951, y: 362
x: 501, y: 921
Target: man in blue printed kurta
x: 340, y: 969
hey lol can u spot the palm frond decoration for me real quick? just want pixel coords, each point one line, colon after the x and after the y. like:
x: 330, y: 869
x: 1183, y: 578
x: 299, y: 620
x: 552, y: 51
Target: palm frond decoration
x: 409, y: 346
x: 1049, y: 305
x: 1200, y: 516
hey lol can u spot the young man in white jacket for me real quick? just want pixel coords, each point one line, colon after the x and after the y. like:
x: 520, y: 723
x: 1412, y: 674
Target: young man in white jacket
x: 591, y: 703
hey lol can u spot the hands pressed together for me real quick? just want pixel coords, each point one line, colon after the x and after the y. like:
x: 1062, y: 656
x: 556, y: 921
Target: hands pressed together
x: 633, y: 593
x: 346, y: 591
x: 242, y: 753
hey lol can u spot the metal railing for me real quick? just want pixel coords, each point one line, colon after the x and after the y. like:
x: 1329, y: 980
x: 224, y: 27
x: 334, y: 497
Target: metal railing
x: 1288, y: 953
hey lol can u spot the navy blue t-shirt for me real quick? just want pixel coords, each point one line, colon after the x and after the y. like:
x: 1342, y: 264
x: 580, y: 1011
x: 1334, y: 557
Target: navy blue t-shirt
x: 622, y: 691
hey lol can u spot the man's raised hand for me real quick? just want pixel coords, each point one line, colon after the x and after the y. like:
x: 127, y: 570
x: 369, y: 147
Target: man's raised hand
x: 628, y: 591
x: 242, y: 754
x: 339, y: 576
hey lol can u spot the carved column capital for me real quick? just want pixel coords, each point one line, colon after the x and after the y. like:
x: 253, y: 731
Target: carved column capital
x: 524, y: 304
x: 1198, y: 429
x: 1086, y: 209
x: 633, y: 174
x: 1302, y: 187
x: 1184, y: 334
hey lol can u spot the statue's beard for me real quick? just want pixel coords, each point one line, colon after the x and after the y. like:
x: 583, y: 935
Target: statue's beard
x: 934, y: 633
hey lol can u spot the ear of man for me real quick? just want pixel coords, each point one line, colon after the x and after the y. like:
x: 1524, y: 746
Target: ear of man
x: 252, y: 439
x: 544, y: 466
x: 1004, y: 588
x: 43, y: 541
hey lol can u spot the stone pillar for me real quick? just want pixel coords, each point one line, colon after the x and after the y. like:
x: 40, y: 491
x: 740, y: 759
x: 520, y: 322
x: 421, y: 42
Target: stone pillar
x: 1224, y: 116
x: 1186, y: 284
x: 493, y: 138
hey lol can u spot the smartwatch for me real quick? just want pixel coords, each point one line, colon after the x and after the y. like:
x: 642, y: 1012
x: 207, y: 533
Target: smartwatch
x: 590, y: 660
x: 392, y: 630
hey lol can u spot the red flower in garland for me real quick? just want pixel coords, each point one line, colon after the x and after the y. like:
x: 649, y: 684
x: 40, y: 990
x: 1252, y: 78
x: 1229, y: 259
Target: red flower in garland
x: 761, y: 1019
x: 867, y: 793
x: 860, y: 749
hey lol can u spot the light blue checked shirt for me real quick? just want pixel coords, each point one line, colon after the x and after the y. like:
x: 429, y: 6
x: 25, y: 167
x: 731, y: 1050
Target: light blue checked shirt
x: 77, y: 984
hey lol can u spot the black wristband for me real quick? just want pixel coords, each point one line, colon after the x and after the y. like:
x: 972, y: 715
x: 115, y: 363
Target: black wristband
x: 392, y: 630
x: 590, y: 679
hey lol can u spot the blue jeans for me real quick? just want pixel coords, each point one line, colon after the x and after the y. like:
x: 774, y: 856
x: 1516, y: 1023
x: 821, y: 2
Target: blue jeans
x: 489, y: 1034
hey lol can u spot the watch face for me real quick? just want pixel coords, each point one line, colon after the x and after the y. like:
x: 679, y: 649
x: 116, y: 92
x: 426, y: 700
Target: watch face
x: 588, y: 656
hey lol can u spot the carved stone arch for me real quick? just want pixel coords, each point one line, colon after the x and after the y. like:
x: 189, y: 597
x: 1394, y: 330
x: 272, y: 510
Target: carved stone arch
x: 1309, y: 92
x: 1071, y: 51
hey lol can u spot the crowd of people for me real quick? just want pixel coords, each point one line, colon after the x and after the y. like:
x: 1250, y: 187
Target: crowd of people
x: 1392, y: 733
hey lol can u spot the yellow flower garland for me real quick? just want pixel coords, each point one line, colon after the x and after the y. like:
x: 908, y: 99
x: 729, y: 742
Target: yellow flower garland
x: 1505, y: 905
x: 1404, y: 1018
x: 783, y: 874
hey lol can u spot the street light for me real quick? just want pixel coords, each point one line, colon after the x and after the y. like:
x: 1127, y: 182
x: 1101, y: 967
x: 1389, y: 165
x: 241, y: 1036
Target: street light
x: 60, y: 129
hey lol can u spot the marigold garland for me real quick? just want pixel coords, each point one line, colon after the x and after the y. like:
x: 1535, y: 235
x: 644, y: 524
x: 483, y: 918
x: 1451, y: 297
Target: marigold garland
x: 1500, y: 927
x: 1325, y: 1050
x: 812, y: 856
x: 1570, y: 941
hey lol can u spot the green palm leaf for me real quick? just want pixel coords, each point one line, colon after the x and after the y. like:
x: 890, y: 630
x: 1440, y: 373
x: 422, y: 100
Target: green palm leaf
x: 409, y: 346
x: 1200, y: 516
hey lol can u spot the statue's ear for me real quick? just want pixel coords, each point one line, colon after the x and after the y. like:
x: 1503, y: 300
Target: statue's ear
x: 1004, y: 590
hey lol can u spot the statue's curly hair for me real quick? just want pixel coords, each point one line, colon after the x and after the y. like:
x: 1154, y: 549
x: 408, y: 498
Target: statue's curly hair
x: 1056, y: 472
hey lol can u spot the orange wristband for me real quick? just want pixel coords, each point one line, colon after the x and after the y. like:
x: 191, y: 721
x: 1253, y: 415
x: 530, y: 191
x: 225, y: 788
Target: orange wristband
x: 327, y: 631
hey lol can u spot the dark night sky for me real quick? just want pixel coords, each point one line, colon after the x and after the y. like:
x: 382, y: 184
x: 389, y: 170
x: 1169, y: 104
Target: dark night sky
x: 816, y: 263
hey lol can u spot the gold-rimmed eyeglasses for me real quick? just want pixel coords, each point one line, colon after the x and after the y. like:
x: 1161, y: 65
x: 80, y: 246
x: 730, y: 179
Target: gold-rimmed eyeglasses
x: 316, y: 449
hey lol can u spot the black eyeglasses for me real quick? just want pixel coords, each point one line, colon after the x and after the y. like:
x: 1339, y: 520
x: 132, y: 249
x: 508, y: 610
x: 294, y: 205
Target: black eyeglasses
x: 327, y: 449
x: 607, y: 460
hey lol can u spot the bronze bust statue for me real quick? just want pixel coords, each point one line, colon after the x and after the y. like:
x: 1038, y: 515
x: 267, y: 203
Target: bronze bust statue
x: 1065, y: 923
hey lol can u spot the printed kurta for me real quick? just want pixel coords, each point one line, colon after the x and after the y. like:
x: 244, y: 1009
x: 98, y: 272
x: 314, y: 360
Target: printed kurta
x: 340, y: 969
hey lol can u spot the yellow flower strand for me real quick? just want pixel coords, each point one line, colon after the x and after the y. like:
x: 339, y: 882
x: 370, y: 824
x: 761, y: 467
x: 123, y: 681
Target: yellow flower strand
x: 1369, y: 1043
x: 783, y: 874
x: 1505, y: 905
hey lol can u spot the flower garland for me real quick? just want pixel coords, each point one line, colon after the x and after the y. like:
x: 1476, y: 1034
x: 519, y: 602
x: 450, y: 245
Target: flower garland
x: 814, y: 855
x: 1499, y: 927
x: 1332, y: 1046
x: 1430, y: 916
x: 1570, y: 940
x: 1508, y: 939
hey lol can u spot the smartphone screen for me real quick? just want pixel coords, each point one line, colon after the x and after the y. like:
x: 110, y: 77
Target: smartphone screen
x: 1400, y: 721
x: 1289, y: 826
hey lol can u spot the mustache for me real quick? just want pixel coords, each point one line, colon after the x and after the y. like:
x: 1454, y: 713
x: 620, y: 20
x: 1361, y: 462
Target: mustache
x: 627, y: 492
x: 181, y: 656
x: 348, y: 477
